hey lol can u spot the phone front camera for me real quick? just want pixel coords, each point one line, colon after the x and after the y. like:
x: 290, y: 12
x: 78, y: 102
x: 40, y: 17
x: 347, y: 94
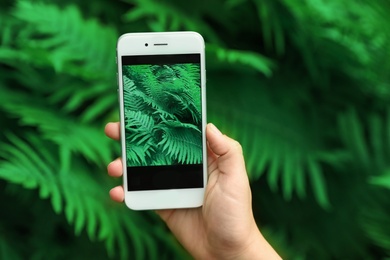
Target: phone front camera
x: 146, y: 45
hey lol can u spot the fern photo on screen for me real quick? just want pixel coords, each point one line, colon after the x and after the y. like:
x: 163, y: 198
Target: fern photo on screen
x: 163, y: 121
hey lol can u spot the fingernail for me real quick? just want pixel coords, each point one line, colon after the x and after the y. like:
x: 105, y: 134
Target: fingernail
x: 215, y: 129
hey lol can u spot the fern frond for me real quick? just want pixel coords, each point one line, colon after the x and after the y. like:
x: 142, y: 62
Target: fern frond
x: 89, y: 103
x: 6, y: 31
x: 27, y: 166
x: 62, y: 130
x: 140, y: 141
x: 149, y: 81
x: 368, y: 141
x: 169, y: 18
x: 67, y: 40
x: 133, y: 98
x: 75, y: 193
x: 139, y: 121
x: 62, y: 39
x: 251, y: 59
x: 99, y: 107
x: 272, y: 143
x: 189, y: 73
x: 165, y: 90
x: 382, y: 180
x: 143, y: 92
x: 182, y: 103
x: 272, y: 29
x: 153, y: 126
x: 182, y: 142
x: 137, y: 154
x: 376, y: 222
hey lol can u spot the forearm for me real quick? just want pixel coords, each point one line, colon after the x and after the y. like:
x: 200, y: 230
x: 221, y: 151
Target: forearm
x: 256, y: 248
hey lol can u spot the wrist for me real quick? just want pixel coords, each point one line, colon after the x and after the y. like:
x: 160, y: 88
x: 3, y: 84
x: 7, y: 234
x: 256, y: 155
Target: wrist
x: 255, y: 247
x: 258, y: 249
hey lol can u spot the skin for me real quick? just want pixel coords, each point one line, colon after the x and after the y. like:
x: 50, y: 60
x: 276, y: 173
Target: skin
x: 224, y: 227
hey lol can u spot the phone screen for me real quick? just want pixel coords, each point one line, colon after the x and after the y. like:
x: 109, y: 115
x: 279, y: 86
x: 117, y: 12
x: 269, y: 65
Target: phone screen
x: 163, y: 121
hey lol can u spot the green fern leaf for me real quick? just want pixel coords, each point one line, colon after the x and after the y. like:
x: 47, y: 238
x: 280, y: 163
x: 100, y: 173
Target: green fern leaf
x: 140, y: 143
x: 272, y: 142
x: 376, y: 221
x: 139, y: 120
x: 352, y: 133
x: 70, y: 43
x: 133, y: 98
x: 169, y: 18
x: 93, y: 100
x: 139, y: 97
x: 32, y: 113
x: 182, y: 142
x: 318, y: 181
x: 369, y: 143
x: 383, y: 180
x: 33, y: 172
x: 78, y: 194
x: 239, y: 57
x: 273, y: 35
x: 371, y: 151
x: 136, y: 154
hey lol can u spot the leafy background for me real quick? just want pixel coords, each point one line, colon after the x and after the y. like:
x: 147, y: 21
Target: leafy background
x: 302, y: 84
x: 163, y: 120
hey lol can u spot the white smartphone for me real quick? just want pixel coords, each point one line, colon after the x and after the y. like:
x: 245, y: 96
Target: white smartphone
x: 162, y: 96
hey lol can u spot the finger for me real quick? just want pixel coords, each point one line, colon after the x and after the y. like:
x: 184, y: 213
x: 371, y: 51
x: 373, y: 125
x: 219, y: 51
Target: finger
x: 117, y: 194
x: 229, y: 151
x: 221, y: 144
x: 211, y: 160
x: 114, y: 169
x: 165, y: 214
x: 112, y: 130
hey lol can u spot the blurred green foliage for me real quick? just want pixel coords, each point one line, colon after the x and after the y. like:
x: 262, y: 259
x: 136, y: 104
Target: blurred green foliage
x: 304, y: 85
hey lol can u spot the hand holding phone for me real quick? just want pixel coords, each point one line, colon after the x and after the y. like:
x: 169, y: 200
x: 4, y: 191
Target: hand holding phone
x: 161, y: 79
x: 224, y: 227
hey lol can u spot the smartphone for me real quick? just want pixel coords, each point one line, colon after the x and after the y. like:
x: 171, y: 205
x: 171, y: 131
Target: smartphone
x: 162, y: 96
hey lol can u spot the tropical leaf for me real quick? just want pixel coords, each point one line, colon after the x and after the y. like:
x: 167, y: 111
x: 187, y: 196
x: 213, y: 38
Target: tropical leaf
x: 303, y: 85
x: 31, y: 112
x: 273, y: 34
x: 251, y: 59
x: 33, y: 166
x: 84, y: 206
x: 376, y: 222
x: 142, y: 122
x: 181, y: 142
x: 139, y: 96
x: 368, y: 141
x: 134, y: 99
x: 66, y: 40
x: 169, y: 18
x: 272, y: 143
x: 383, y: 180
x: 33, y: 173
x: 159, y: 109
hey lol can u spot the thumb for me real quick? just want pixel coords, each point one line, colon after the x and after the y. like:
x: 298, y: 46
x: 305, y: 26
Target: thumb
x: 228, y: 151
